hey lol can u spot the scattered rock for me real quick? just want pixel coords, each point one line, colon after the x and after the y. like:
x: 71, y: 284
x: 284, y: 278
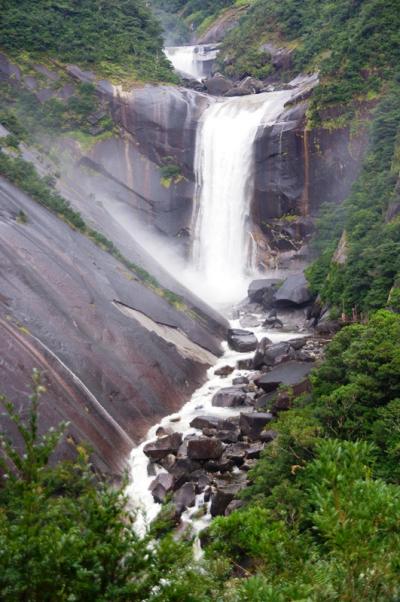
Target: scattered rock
x: 224, y: 494
x: 203, y: 448
x: 161, y: 486
x: 163, y: 431
x: 240, y: 380
x: 246, y: 364
x: 242, y: 341
x: 249, y: 321
x: 214, y: 422
x: 229, y: 397
x: 290, y: 373
x: 156, y: 450
x: 218, y: 85
x: 185, y: 497
x: 255, y: 450
x: 268, y: 436
x: 271, y: 355
x: 232, y: 506
x: 236, y: 452
x: 224, y: 371
x: 252, y: 424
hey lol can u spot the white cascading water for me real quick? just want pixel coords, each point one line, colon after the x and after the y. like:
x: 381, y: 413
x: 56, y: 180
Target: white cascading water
x: 224, y: 174
x: 185, y: 59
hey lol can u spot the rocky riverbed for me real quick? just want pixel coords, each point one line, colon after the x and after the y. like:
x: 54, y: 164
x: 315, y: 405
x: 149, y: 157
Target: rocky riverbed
x: 196, y: 462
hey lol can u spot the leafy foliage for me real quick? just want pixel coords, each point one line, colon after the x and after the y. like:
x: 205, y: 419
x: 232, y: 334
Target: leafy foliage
x: 66, y: 536
x: 369, y: 217
x: 101, y: 35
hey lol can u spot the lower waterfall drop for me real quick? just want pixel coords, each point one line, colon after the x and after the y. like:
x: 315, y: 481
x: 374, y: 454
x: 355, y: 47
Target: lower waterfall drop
x: 225, y: 178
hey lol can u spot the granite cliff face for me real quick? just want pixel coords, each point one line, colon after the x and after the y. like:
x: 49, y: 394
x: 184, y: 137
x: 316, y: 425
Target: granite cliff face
x: 115, y: 355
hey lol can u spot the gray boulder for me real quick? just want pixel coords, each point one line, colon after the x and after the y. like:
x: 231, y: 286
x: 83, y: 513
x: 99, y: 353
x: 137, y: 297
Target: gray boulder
x: 272, y: 354
x: 218, y: 85
x: 294, y: 291
x: 161, y: 486
x: 229, y: 397
x: 258, y: 288
x: 242, y: 340
x: 184, y: 498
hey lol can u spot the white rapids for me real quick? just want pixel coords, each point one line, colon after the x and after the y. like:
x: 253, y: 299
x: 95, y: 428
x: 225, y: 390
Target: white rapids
x: 224, y: 168
x: 200, y: 404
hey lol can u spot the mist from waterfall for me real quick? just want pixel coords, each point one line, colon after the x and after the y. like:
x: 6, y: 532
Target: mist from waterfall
x: 224, y: 168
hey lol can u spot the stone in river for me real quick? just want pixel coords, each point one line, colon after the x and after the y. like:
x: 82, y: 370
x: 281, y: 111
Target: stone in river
x: 156, y: 450
x: 184, y: 497
x: 253, y: 423
x: 204, y: 448
x: 242, y: 341
x: 290, y: 374
x: 229, y: 397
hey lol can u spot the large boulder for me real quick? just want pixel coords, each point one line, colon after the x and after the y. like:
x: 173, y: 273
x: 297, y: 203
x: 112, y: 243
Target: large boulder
x: 156, y: 450
x: 271, y: 355
x: 204, y: 448
x: 294, y: 291
x: 242, y: 340
x: 184, y: 497
x: 290, y: 374
x: 257, y: 288
x: 214, y: 422
x: 252, y: 424
x: 224, y: 494
x: 229, y: 397
x: 218, y: 85
x: 161, y: 486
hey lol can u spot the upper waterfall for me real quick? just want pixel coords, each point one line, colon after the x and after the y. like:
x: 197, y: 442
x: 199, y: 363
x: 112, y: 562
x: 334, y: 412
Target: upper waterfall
x: 224, y: 167
x: 192, y: 61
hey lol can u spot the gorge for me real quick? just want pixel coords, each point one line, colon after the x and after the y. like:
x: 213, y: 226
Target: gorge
x: 199, y: 300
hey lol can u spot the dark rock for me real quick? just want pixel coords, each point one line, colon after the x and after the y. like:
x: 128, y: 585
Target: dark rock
x: 156, y: 450
x: 224, y: 371
x: 241, y: 340
x: 258, y: 288
x: 246, y: 364
x: 224, y: 494
x: 226, y: 436
x: 163, y: 431
x: 255, y: 450
x: 284, y: 399
x: 184, y: 498
x: 214, y: 422
x: 268, y: 436
x: 272, y: 323
x: 183, y: 469
x: 329, y: 327
x: 294, y: 291
x: 202, y: 448
x: 298, y: 343
x: 232, y: 506
x: 161, y: 486
x: 218, y: 85
x: 290, y: 373
x: 252, y: 84
x: 240, y: 380
x: 229, y: 397
x: 224, y: 464
x: 252, y: 424
x: 168, y: 462
x: 271, y: 355
x: 236, y: 452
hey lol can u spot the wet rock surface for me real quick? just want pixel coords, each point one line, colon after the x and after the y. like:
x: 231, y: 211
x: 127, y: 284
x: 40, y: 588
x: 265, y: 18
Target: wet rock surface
x: 241, y: 340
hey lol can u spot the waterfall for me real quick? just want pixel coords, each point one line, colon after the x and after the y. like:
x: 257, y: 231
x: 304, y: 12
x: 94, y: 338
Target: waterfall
x: 224, y: 168
x: 185, y: 59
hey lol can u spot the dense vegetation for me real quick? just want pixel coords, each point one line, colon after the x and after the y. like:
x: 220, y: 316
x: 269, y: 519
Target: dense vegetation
x: 355, y: 45
x: 65, y: 536
x: 180, y: 18
x: 109, y: 37
x: 368, y: 277
x: 321, y: 520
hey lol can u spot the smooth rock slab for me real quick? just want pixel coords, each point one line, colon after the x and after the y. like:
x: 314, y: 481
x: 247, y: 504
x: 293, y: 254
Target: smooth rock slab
x: 289, y: 373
